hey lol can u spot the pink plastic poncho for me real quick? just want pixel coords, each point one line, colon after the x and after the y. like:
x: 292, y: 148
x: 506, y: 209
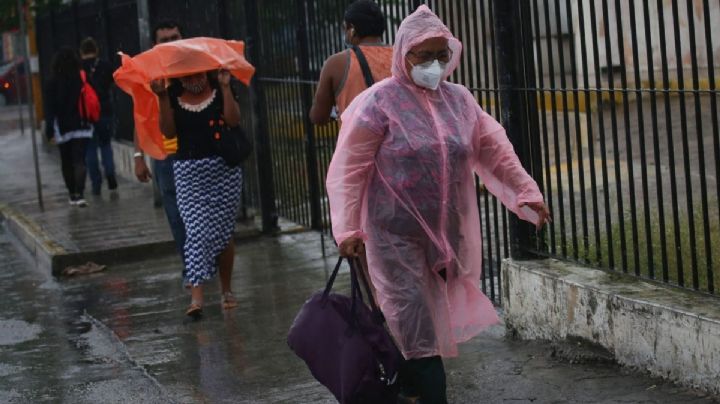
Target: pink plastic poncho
x: 169, y: 60
x: 402, y: 179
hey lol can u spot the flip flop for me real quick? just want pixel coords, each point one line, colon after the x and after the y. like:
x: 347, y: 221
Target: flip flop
x: 194, y: 310
x: 229, y: 301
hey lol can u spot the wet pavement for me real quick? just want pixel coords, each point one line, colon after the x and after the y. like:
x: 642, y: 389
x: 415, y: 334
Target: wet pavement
x: 121, y: 336
x: 115, y: 226
x: 51, y: 352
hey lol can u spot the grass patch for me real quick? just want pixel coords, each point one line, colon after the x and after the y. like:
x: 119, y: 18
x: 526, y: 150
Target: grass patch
x: 650, y: 263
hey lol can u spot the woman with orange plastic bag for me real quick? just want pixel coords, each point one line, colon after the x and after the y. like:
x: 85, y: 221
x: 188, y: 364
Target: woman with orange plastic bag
x: 182, y: 90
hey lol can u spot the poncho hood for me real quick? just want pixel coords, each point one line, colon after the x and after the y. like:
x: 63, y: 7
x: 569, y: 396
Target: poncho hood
x: 417, y: 27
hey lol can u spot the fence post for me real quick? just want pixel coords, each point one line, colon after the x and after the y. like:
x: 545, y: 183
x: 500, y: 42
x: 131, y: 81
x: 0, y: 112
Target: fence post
x: 222, y: 18
x: 144, y: 35
x: 29, y: 94
x: 507, y: 23
x: 263, y: 152
x: 307, y: 100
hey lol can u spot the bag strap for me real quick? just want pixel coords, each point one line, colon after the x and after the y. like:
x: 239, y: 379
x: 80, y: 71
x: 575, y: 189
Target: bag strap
x: 358, y: 276
x: 331, y: 280
x: 369, y: 80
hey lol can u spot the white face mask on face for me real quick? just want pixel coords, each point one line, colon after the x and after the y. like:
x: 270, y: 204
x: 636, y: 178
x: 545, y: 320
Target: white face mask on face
x: 428, y: 74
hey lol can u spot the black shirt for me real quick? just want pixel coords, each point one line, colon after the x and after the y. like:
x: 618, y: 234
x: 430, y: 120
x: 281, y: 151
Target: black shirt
x: 195, y: 130
x: 100, y: 77
x: 61, y: 104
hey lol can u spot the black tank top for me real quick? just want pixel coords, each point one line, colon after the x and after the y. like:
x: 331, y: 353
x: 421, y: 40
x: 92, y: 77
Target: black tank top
x: 196, y: 129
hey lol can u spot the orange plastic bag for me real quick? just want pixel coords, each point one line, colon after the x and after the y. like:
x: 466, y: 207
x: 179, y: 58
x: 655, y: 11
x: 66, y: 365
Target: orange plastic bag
x: 171, y: 60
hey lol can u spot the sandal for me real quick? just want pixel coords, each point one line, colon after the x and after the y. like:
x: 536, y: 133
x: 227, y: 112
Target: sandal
x: 194, y: 310
x: 229, y: 301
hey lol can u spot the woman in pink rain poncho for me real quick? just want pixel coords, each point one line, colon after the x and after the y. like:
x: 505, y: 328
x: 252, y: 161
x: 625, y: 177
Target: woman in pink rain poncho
x: 401, y: 187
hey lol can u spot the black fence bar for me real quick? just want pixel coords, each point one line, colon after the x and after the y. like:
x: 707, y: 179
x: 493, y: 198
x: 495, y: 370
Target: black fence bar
x: 579, y: 146
x: 263, y: 154
x: 656, y: 148
x: 543, y: 117
x: 568, y: 158
x: 615, y: 144
x: 307, y: 100
x: 591, y: 141
x: 715, y: 128
x: 532, y: 123
x: 508, y: 48
x: 700, y: 149
x: 685, y: 145
x: 643, y: 156
x: 628, y: 151
x: 671, y: 154
x: 601, y: 134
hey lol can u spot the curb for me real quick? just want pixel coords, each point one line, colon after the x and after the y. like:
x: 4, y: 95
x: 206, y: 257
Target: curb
x: 51, y: 256
x: 41, y: 247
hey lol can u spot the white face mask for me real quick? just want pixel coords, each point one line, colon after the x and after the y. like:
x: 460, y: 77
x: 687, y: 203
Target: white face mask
x: 428, y: 74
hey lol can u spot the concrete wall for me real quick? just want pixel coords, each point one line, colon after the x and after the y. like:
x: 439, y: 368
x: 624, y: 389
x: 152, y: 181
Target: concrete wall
x: 671, y: 333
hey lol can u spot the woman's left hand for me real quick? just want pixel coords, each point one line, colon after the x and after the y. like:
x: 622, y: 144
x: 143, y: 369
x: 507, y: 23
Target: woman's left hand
x: 224, y: 77
x: 542, y: 211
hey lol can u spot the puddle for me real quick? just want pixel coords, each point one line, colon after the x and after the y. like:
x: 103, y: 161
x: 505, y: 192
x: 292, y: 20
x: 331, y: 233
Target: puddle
x: 16, y: 331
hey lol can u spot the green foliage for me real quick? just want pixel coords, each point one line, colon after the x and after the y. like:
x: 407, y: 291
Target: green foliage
x: 678, y: 251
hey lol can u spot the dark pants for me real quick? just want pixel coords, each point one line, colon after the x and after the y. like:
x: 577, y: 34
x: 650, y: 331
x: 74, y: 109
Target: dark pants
x: 102, y: 136
x: 72, y: 157
x: 163, y: 174
x: 424, y: 378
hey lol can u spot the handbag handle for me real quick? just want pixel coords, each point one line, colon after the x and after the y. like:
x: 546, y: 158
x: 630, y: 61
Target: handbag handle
x: 355, y: 268
x: 356, y: 292
x: 355, y: 273
x: 331, y: 280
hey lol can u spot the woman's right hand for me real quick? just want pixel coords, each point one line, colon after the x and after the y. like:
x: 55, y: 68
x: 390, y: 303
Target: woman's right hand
x: 351, y: 247
x: 158, y: 86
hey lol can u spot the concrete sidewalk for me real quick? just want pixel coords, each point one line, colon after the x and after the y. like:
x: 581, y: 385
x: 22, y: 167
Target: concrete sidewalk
x: 115, y: 227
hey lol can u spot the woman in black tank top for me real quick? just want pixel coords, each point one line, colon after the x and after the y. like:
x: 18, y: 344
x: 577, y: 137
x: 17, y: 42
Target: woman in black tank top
x: 208, y: 190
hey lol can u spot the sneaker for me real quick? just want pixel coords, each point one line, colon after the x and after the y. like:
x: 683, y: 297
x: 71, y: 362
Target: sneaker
x: 112, y: 182
x: 74, y: 200
x: 81, y: 202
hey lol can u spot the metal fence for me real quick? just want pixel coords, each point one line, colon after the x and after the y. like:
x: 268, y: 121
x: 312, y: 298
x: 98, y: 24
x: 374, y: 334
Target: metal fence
x: 611, y: 105
x: 623, y: 112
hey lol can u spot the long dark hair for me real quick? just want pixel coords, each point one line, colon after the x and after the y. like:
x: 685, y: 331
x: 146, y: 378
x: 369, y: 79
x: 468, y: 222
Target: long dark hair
x: 66, y: 64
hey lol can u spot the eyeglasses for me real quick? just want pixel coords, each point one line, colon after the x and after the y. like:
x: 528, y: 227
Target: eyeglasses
x: 425, y: 56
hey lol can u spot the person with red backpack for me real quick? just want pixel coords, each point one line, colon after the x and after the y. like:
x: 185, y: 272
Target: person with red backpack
x: 69, y: 116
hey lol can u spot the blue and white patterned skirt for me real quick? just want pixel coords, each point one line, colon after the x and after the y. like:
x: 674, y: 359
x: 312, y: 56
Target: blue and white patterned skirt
x: 208, y: 196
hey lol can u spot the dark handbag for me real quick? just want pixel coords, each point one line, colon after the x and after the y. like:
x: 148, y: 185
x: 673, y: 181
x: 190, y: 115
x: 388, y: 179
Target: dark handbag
x: 345, y: 344
x: 231, y: 143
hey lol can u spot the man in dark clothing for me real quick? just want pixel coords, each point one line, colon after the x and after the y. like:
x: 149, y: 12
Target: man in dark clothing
x: 99, y: 74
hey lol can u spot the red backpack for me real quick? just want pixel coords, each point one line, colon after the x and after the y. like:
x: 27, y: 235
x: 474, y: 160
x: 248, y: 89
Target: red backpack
x: 88, y: 103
